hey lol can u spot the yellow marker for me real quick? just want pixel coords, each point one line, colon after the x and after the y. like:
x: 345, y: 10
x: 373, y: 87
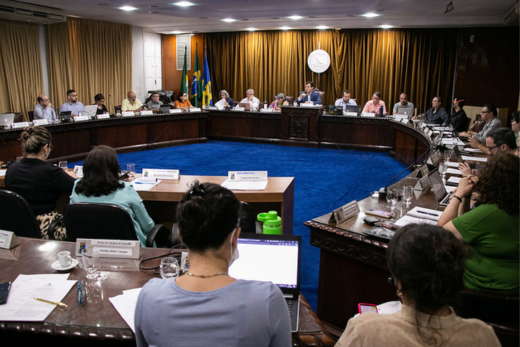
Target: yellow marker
x: 61, y: 304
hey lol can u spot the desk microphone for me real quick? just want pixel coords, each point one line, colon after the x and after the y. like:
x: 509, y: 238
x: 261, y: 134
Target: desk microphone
x: 382, y: 191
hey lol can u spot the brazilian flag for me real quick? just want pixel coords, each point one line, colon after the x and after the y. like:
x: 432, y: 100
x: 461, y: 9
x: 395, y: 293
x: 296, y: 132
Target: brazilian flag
x: 207, y: 98
x: 185, y: 83
x: 196, y: 91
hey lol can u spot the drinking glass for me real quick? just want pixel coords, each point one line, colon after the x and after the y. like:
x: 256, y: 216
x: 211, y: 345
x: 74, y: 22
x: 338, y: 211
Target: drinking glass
x: 391, y: 198
x: 92, y: 264
x: 407, y: 194
x: 443, y: 168
x: 63, y: 165
x: 131, y: 170
x: 93, y: 291
x: 447, y: 155
x: 169, y: 267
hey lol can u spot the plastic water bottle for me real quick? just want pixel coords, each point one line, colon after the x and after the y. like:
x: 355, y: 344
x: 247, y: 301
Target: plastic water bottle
x: 381, y: 111
x: 265, y: 105
x: 272, y: 223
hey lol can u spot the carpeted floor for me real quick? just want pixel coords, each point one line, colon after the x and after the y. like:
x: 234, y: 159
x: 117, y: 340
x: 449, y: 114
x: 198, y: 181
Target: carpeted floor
x: 325, y: 179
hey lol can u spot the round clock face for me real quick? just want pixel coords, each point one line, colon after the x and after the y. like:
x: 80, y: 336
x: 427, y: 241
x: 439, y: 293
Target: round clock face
x: 318, y: 61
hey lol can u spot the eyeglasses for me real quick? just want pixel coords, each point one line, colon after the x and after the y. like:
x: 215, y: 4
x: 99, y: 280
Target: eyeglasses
x: 485, y: 112
x: 491, y: 148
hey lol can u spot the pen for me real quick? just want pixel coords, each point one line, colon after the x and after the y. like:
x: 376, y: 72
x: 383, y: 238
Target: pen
x: 61, y: 304
x: 430, y: 214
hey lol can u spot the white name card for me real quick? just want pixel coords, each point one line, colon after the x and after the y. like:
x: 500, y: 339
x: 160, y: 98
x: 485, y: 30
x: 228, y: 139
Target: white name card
x: 81, y: 118
x: 303, y: 104
x: 175, y: 110
x: 161, y: 174
x: 20, y: 125
x: 103, y: 116
x: 239, y: 109
x: 266, y: 110
x: 400, y: 117
x: 78, y: 170
x: 8, y: 239
x: 404, y: 120
x: 38, y: 122
x: 109, y: 248
x: 354, y: 114
x: 211, y: 107
x: 345, y: 212
x: 147, y: 113
x: 195, y: 109
x: 368, y: 114
x: 247, y: 175
x: 128, y: 114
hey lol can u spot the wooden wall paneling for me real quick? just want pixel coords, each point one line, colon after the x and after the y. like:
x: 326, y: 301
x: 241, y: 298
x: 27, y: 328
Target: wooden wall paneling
x: 267, y: 126
x: 71, y: 142
x: 405, y: 147
x: 172, y: 130
x: 124, y: 136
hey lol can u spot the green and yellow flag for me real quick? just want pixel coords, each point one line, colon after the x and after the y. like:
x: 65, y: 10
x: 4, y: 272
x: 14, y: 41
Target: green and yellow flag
x: 185, y: 83
x: 207, y: 98
x: 196, y: 90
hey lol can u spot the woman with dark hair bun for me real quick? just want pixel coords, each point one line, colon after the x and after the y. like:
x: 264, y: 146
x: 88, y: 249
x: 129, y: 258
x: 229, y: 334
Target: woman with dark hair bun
x: 207, y: 307
x: 39, y: 182
x: 101, y: 184
x: 492, y: 228
x: 427, y: 266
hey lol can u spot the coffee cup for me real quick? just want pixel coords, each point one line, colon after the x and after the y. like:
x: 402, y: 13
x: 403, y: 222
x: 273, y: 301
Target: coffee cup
x: 65, y: 259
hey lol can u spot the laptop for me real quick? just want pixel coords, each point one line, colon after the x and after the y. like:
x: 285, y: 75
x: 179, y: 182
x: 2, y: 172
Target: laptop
x: 353, y: 108
x: 245, y: 105
x: 6, y: 120
x: 274, y: 258
x: 65, y: 116
x: 90, y: 110
x: 165, y: 109
x: 440, y: 192
x: 406, y: 111
x: 458, y: 155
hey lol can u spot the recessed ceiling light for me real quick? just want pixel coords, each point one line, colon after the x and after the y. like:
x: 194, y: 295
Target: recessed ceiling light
x: 322, y: 27
x: 370, y: 15
x: 183, y: 4
x: 176, y: 32
x: 128, y: 8
x: 295, y: 17
x: 285, y: 28
x: 386, y: 26
x: 229, y: 20
x: 251, y: 29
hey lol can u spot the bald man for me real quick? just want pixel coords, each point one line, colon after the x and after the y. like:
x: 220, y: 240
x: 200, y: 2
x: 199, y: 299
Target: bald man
x: 404, y: 103
x: 131, y: 103
x: 44, y: 110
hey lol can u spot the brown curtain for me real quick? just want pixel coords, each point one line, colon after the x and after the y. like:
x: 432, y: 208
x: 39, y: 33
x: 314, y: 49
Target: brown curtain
x: 90, y: 57
x: 419, y: 62
x: 21, y: 78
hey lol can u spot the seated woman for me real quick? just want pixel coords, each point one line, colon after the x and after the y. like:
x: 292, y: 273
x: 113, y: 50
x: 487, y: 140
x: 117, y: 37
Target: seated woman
x: 182, y: 101
x: 100, y: 102
x: 427, y: 265
x: 101, y: 184
x: 206, y: 307
x: 230, y: 103
x: 279, y: 102
x: 39, y: 182
x: 491, y: 228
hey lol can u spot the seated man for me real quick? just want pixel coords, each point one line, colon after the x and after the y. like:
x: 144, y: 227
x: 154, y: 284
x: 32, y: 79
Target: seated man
x: 131, y: 103
x: 375, y: 104
x: 251, y: 99
x: 489, y: 115
x: 498, y: 140
x: 309, y: 96
x: 345, y: 100
x: 404, y: 103
x: 44, y: 110
x: 72, y: 105
x: 436, y: 114
x: 154, y: 104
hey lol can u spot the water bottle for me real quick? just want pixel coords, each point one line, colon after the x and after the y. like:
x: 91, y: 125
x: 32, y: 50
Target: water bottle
x: 265, y: 105
x: 272, y: 223
x: 381, y: 111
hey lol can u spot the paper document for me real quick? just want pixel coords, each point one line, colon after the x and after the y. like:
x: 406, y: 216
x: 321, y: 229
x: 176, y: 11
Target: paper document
x: 125, y: 305
x: 473, y: 150
x: 424, y: 213
x: 406, y: 219
x: 21, y: 305
x: 453, y: 179
x: 255, y: 185
x: 452, y: 164
x: 450, y: 189
x: 221, y: 104
x: 2, y: 172
x: 453, y: 171
x: 143, y: 184
x: 467, y: 158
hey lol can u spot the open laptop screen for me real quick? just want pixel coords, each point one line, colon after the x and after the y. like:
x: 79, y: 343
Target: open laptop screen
x: 437, y: 186
x: 268, y: 258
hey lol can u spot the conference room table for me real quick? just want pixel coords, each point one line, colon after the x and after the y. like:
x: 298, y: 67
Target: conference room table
x: 99, y: 324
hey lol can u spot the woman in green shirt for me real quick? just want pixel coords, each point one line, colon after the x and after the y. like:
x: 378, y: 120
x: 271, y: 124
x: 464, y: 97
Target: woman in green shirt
x: 492, y: 228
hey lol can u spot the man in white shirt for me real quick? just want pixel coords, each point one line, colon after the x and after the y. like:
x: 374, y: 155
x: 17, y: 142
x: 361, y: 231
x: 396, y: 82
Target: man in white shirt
x: 251, y: 99
x: 44, y: 110
x: 345, y: 100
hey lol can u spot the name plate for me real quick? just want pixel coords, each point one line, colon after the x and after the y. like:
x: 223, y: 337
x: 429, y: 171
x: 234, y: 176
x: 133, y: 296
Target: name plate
x: 422, y: 184
x: 20, y: 125
x: 353, y: 114
x: 123, y: 249
x: 266, y: 110
x: 434, y: 158
x: 175, y: 110
x: 239, y: 109
x: 368, y: 114
x: 38, y: 122
x: 81, y: 118
x: 404, y: 120
x: 238, y: 176
x: 103, y: 116
x: 195, y: 109
x: 310, y: 104
x: 8, y: 239
x: 128, y: 114
x: 400, y: 117
x: 147, y: 113
x: 78, y: 170
x: 345, y: 212
x: 161, y: 174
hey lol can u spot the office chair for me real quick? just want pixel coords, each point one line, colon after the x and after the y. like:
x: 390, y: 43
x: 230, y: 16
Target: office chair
x: 31, y: 115
x: 107, y: 221
x: 17, y: 215
x: 117, y: 108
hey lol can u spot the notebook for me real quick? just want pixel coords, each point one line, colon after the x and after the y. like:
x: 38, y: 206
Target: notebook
x: 274, y: 258
x: 438, y: 188
x: 6, y: 120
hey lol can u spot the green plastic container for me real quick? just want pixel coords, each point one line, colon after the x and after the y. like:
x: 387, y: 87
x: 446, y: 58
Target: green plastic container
x: 272, y: 224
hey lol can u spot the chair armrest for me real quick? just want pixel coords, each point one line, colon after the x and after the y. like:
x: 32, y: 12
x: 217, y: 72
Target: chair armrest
x: 53, y: 225
x: 159, y: 235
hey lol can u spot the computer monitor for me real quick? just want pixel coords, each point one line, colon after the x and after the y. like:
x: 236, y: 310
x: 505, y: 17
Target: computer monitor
x: 6, y: 120
x: 406, y: 111
x: 245, y: 105
x: 353, y: 108
x: 90, y: 110
x: 165, y: 109
x: 65, y: 116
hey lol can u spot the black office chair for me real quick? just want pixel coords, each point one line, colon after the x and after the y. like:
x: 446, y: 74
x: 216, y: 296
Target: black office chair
x: 17, y: 215
x: 107, y: 221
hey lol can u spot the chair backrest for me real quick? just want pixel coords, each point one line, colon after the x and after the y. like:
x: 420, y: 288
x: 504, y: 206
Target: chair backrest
x: 261, y: 105
x: 17, y: 215
x: 468, y: 123
x: 31, y: 115
x: 322, y: 95
x: 98, y: 221
x: 290, y: 100
x: 247, y: 218
x: 478, y: 126
x: 18, y: 117
x: 117, y: 108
